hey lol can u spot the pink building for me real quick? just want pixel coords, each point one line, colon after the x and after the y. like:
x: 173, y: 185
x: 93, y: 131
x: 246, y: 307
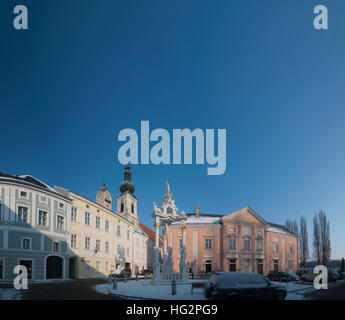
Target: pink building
x: 239, y: 241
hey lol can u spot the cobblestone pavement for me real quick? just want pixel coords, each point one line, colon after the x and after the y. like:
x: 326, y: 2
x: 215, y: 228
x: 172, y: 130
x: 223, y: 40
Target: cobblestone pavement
x: 66, y: 290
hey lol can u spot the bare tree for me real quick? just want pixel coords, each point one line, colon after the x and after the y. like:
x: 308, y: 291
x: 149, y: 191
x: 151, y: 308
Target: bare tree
x: 325, y: 238
x: 303, y: 242
x: 292, y: 226
x: 316, y: 240
x: 321, y: 241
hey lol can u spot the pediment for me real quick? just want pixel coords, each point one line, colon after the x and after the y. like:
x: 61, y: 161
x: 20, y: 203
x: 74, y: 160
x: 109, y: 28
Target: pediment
x: 245, y: 215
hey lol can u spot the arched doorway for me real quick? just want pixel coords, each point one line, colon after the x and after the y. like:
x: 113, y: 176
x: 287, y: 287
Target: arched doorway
x: 54, y: 265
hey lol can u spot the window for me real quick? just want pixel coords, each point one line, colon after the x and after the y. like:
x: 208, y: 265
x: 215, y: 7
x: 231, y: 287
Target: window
x: 98, y: 222
x: 98, y: 263
x: 26, y: 245
x: 60, y: 222
x: 208, y: 243
x: 74, y: 214
x: 42, y: 218
x: 132, y: 208
x: 118, y: 249
x: 259, y: 245
x: 118, y: 231
x: 106, y: 267
x: 232, y: 244
x: 61, y: 206
x: 275, y: 247
x: 22, y: 214
x: 246, y: 245
x: 290, y: 249
x: 128, y: 235
x: 56, y: 246
x: 87, y: 218
x: 98, y: 245
x: 106, y: 247
x: 181, y: 243
x: 23, y: 194
x: 73, y: 240
x: 106, y: 225
x: 87, y: 243
x: 0, y: 217
x: 127, y: 251
x: 122, y: 207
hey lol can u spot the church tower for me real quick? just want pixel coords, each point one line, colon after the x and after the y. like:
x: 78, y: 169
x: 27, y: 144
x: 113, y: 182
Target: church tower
x: 103, y: 197
x: 126, y: 201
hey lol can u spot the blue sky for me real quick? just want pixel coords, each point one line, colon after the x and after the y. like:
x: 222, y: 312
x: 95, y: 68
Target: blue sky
x: 85, y: 70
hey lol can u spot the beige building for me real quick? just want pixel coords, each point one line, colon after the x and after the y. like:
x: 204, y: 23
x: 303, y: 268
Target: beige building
x: 101, y: 240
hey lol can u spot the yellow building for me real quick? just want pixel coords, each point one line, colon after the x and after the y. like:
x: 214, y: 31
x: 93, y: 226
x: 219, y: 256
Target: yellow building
x: 101, y: 240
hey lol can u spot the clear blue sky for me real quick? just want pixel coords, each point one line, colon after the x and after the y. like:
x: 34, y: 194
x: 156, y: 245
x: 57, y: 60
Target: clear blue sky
x: 87, y: 69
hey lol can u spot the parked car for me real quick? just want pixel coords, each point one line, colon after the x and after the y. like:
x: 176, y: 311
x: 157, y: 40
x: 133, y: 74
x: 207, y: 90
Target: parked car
x: 123, y: 273
x: 242, y: 286
x: 341, y: 274
x: 308, y: 276
x: 282, y: 276
x: 333, y: 275
x: 145, y: 271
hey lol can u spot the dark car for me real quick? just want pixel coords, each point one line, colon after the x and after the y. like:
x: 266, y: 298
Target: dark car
x: 333, y: 275
x: 242, y: 286
x: 282, y: 276
x: 341, y: 274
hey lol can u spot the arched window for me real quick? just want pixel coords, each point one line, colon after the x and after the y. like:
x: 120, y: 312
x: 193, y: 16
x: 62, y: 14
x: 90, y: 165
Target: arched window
x: 122, y: 207
x: 132, y: 208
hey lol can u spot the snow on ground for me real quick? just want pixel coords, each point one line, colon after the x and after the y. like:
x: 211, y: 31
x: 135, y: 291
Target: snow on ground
x: 9, y: 294
x: 144, y: 289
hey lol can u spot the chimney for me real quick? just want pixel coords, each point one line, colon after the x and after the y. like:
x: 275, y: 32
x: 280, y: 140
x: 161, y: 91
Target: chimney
x: 197, y: 210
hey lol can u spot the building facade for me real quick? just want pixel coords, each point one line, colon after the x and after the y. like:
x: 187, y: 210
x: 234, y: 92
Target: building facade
x: 102, y: 240
x: 34, y: 228
x: 239, y: 241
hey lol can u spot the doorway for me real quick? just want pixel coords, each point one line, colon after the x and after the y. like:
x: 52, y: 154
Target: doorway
x: 232, y: 265
x: 260, y: 266
x: 28, y: 265
x: 72, y: 268
x: 54, y: 267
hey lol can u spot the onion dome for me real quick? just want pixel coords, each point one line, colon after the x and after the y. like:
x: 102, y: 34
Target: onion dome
x: 127, y: 185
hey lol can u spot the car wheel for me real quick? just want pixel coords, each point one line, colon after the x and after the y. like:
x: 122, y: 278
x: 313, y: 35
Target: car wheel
x: 280, y: 296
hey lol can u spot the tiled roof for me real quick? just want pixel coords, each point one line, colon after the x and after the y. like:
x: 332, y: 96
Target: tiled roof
x: 151, y: 233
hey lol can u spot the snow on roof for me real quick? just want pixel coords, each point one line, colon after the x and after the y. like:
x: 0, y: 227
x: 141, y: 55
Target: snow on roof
x: 193, y: 219
x: 279, y: 230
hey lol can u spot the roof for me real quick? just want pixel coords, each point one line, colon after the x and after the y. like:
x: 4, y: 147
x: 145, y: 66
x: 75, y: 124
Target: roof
x: 203, y: 218
x: 150, y: 233
x: 30, y: 181
x: 278, y: 228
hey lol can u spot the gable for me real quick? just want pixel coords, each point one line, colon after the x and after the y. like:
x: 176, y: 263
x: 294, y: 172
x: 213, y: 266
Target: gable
x: 245, y: 215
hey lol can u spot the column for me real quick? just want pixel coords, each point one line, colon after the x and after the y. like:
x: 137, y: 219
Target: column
x: 156, y: 225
